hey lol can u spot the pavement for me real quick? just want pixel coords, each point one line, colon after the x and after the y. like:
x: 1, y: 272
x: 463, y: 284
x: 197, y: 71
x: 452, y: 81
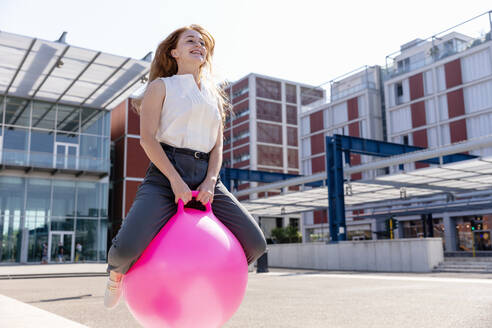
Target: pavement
x: 52, y: 270
x: 281, y: 298
x: 16, y: 314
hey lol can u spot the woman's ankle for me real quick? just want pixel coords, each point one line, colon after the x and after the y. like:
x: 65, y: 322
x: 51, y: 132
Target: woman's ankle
x: 115, y: 276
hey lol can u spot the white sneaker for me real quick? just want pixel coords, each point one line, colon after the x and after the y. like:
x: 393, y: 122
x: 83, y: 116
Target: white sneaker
x: 112, y: 294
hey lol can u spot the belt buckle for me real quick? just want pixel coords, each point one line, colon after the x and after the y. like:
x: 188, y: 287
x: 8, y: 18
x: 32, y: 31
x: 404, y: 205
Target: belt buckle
x: 196, y: 154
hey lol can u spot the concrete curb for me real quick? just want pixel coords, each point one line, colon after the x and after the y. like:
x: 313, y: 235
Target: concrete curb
x: 16, y: 314
x: 53, y: 275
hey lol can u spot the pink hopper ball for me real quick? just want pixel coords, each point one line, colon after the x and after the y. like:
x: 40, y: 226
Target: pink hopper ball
x: 192, y: 274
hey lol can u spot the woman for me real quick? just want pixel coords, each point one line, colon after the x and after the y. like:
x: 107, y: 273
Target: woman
x: 181, y: 131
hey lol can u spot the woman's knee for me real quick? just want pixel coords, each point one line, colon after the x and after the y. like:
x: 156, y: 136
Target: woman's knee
x: 256, y: 248
x: 120, y: 253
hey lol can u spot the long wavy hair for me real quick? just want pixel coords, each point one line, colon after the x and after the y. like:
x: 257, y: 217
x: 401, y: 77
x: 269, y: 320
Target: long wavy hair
x: 164, y: 65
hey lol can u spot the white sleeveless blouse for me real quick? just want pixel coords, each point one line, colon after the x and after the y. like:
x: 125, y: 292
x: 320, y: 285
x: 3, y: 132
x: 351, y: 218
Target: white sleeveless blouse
x: 190, y: 117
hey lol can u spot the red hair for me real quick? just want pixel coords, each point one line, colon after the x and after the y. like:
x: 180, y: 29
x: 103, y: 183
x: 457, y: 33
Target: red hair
x: 164, y: 65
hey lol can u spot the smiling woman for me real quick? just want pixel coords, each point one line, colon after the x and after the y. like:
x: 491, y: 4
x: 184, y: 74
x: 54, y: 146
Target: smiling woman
x: 181, y: 131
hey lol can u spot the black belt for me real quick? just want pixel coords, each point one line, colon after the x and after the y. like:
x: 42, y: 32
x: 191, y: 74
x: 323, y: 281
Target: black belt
x: 194, y: 153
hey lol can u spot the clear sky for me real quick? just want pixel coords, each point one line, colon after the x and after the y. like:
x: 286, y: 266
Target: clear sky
x: 307, y: 41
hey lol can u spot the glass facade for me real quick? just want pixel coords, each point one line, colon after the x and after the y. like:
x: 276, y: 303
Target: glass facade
x: 46, y: 214
x: 41, y: 134
x: 34, y: 211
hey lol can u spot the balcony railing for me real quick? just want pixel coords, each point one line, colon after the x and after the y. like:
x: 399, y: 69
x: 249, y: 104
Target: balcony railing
x: 335, y: 94
x: 438, y: 47
x: 49, y: 160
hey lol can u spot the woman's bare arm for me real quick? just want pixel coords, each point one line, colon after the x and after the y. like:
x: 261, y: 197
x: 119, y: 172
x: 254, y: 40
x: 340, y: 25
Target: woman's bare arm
x: 215, y: 160
x: 207, y: 187
x: 149, y: 122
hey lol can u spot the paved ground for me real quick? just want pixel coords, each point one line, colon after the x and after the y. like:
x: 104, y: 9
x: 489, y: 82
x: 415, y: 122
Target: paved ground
x: 295, y: 298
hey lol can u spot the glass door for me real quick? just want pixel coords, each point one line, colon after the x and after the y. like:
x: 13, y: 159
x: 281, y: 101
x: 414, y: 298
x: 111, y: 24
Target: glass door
x: 66, y: 155
x: 482, y: 240
x: 61, y: 246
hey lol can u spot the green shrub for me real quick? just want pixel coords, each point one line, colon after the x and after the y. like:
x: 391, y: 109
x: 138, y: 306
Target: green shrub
x: 288, y: 234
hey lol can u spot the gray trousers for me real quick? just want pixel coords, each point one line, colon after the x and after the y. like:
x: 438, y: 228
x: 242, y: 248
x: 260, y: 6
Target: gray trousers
x: 154, y: 205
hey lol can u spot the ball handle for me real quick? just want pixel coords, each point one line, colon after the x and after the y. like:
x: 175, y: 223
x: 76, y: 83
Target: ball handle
x: 194, y: 194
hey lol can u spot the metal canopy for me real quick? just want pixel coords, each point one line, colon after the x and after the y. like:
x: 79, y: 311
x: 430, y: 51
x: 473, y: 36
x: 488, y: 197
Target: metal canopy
x: 470, y: 175
x: 58, y: 72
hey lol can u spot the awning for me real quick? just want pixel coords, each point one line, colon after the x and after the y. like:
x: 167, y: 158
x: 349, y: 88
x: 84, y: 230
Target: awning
x: 458, y: 177
x: 58, y: 72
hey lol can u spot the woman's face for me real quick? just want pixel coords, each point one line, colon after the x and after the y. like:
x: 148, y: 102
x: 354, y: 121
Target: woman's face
x: 190, y: 48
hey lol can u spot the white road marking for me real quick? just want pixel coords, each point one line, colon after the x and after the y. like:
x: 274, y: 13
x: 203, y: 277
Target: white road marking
x: 382, y: 277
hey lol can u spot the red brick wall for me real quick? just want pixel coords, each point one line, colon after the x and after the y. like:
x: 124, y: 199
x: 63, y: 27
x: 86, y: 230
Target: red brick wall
x: 458, y: 131
x: 118, y: 200
x: 352, y: 109
x: 118, y: 121
x: 316, y: 121
x: 318, y: 164
x: 416, y: 86
x: 456, y: 107
x: 453, y: 73
x: 420, y: 140
x: 240, y: 120
x: 419, y: 119
x: 240, y: 98
x: 137, y: 160
x: 418, y: 114
x: 317, y: 144
x: 131, y: 191
x: 133, y: 121
x: 354, y: 131
x: 320, y: 216
x: 119, y: 162
x: 456, y: 103
x: 240, y: 85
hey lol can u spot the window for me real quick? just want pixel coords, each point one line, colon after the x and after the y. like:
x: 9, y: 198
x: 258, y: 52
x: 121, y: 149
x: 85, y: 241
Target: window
x: 270, y: 155
x: 310, y: 95
x: 293, y: 158
x: 291, y: 93
x: 43, y: 115
x: 242, y: 113
x: 404, y: 65
x: 269, y: 133
x: 240, y: 88
x: 92, y: 121
x: 270, y: 111
x: 240, y: 135
x: 15, y: 145
x: 68, y: 118
x: 42, y: 147
x: 239, y: 92
x: 294, y: 222
x: 64, y: 193
x: 291, y: 136
x: 241, y: 158
x: 267, y: 89
x: 399, y: 90
x: 87, y: 199
x: 18, y: 112
x: 291, y: 112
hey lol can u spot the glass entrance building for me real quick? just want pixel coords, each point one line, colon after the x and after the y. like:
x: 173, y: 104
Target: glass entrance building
x: 55, y: 105
x: 61, y: 195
